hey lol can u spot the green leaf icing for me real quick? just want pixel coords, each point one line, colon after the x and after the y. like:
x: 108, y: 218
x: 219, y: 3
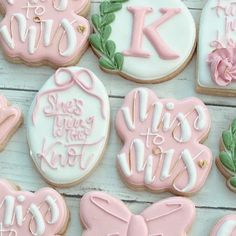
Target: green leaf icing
x: 110, y: 59
x: 233, y: 182
x: 228, y: 156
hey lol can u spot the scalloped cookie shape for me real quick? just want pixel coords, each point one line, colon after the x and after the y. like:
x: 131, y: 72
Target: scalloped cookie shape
x: 43, y: 213
x: 162, y: 143
x: 216, y: 49
x: 51, y: 32
x: 68, y: 126
x: 159, y: 38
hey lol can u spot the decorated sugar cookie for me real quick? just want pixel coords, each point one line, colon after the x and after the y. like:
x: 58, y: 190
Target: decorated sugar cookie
x: 225, y: 227
x: 51, y: 32
x: 216, y: 55
x: 227, y: 158
x: 145, y: 41
x: 10, y: 120
x: 162, y: 150
x: 68, y: 126
x: 43, y: 213
x: 102, y: 214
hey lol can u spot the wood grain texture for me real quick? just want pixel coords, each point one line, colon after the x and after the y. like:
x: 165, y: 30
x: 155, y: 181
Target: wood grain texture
x: 19, y: 84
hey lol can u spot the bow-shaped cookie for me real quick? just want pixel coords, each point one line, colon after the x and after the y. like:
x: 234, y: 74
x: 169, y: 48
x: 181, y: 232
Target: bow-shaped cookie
x: 103, y: 215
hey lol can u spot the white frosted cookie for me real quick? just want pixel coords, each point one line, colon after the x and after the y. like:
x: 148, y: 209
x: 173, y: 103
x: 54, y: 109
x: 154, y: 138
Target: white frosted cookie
x: 68, y: 126
x: 216, y: 49
x: 144, y: 41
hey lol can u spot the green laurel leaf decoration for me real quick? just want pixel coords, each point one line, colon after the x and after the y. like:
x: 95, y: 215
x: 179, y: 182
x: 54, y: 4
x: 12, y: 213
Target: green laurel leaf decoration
x: 228, y: 156
x: 110, y: 59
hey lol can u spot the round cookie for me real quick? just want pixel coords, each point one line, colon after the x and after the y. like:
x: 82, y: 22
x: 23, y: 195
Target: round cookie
x: 162, y: 138
x: 216, y: 49
x: 226, y: 162
x: 147, y: 42
x: 225, y: 227
x: 10, y: 120
x: 39, y: 32
x: 102, y: 214
x: 42, y: 213
x: 68, y: 126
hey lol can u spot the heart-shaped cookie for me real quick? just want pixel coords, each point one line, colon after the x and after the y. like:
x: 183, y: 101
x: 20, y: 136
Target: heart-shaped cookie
x: 68, y: 126
x: 162, y: 142
x: 10, y: 120
x: 43, y: 213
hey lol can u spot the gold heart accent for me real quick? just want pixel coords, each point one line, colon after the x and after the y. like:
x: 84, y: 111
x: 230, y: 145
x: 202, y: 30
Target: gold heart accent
x: 202, y: 163
x: 81, y: 28
x: 156, y: 151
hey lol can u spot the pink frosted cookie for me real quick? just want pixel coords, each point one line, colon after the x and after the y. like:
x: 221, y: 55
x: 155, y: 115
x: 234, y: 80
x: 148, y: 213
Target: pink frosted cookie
x: 225, y: 227
x: 43, y: 213
x: 102, y: 215
x: 162, y: 149
x: 144, y: 41
x: 68, y: 126
x: 10, y: 120
x: 40, y: 32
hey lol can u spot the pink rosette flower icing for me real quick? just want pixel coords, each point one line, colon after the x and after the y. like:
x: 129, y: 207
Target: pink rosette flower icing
x: 223, y: 65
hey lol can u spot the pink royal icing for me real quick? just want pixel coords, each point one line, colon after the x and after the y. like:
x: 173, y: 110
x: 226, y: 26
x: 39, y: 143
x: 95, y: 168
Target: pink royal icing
x: 102, y: 214
x: 39, y: 30
x: 222, y: 64
x: 43, y: 213
x: 225, y: 227
x: 161, y: 142
x: 9, y: 118
x: 151, y: 33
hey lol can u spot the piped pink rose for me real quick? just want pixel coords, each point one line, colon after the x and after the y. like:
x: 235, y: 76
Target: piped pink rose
x: 223, y: 65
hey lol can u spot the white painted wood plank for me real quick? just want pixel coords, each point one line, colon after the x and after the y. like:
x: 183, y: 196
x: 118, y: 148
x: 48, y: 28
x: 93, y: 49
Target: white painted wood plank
x: 204, y: 221
x: 16, y: 165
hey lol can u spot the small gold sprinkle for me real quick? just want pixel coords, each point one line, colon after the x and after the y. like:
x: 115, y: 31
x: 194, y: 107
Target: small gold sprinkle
x: 156, y: 151
x: 202, y: 164
x: 37, y: 19
x: 81, y: 28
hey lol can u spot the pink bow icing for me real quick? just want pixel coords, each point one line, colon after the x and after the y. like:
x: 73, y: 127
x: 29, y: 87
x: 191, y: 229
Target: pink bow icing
x: 161, y: 137
x: 9, y: 117
x: 222, y: 64
x: 102, y: 214
x: 37, y: 31
x: 43, y: 213
x: 72, y: 79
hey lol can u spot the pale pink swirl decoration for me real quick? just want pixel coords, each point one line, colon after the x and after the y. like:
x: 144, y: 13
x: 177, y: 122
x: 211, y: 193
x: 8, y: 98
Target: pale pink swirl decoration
x: 102, y: 214
x: 222, y: 64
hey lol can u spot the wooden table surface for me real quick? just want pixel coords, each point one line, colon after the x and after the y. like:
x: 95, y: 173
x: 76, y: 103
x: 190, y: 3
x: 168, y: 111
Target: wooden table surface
x: 19, y: 84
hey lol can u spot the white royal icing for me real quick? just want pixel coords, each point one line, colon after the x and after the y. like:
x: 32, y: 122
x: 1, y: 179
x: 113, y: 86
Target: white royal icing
x: 75, y: 123
x: 227, y: 228
x: 179, y: 33
x: 212, y: 27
